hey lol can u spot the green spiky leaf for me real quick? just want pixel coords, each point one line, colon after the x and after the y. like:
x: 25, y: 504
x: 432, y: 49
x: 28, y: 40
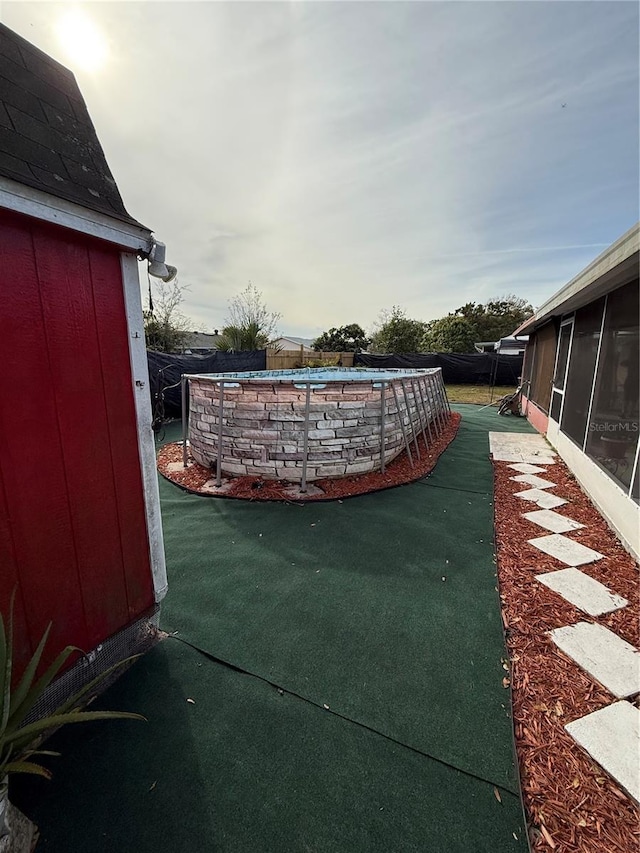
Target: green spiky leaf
x: 27, y: 767
x: 20, y: 712
x: 18, y: 742
x: 6, y: 658
x: 29, y: 674
x: 50, y: 752
x: 24, y: 736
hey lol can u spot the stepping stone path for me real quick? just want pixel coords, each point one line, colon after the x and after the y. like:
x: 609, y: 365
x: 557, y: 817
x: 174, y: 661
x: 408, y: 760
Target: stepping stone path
x: 562, y: 548
x: 541, y: 498
x: 520, y: 447
x: 604, y: 655
x: 552, y: 521
x: 532, y: 480
x: 527, y: 468
x: 583, y: 591
x: 611, y: 735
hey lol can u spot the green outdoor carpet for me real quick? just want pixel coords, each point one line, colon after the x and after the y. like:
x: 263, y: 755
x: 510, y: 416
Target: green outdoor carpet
x: 384, y: 609
x: 246, y: 770
x: 345, y: 603
x: 464, y: 467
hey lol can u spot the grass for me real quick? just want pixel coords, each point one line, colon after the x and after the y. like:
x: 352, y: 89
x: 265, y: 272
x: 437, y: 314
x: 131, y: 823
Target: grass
x: 480, y: 394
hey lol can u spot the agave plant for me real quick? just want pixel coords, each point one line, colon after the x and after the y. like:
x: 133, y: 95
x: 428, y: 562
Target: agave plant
x: 19, y: 742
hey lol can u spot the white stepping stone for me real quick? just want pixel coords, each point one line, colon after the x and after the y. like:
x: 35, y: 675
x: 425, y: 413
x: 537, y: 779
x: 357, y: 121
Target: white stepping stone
x: 211, y: 488
x: 552, y: 521
x: 527, y: 468
x: 604, y: 655
x: 566, y: 550
x: 173, y: 467
x: 295, y: 491
x: 583, y: 591
x: 532, y: 480
x: 611, y: 736
x: 520, y: 447
x: 545, y: 500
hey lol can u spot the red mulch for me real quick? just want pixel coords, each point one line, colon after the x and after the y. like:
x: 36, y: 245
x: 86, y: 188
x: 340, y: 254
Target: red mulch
x: 572, y: 804
x: 397, y: 472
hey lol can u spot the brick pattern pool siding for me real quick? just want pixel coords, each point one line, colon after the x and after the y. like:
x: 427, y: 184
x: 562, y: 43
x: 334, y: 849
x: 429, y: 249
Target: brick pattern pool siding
x: 263, y: 424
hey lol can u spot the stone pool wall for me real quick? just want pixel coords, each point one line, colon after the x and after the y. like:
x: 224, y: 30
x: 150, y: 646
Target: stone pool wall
x: 263, y: 424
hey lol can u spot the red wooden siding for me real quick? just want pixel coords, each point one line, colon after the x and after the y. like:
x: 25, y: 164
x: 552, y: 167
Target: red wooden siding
x: 72, y: 518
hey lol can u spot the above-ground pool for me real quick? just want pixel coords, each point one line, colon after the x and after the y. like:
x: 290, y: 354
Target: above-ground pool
x: 310, y: 424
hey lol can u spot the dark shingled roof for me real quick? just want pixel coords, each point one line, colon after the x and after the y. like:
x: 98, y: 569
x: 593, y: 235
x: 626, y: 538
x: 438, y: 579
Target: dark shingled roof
x: 47, y: 140
x: 200, y: 340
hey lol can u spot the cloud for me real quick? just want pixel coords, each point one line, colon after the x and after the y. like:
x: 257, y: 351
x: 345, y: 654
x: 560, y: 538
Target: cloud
x: 348, y: 157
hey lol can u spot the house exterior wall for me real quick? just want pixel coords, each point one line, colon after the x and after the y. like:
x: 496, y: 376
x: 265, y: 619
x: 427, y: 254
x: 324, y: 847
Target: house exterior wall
x: 593, y: 420
x: 73, y: 526
x: 540, y: 355
x: 535, y: 415
x: 620, y: 511
x: 289, y: 345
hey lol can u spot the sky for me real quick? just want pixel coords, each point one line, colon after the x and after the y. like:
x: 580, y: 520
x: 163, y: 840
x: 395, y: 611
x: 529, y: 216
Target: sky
x: 346, y: 157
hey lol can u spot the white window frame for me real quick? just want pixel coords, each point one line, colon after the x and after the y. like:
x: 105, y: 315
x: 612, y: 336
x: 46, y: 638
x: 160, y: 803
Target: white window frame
x: 567, y: 321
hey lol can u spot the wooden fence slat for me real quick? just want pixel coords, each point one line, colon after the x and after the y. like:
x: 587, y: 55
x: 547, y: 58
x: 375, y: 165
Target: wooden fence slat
x: 292, y: 359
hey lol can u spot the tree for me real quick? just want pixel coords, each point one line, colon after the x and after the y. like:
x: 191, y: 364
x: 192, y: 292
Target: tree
x: 249, y: 325
x: 349, y: 338
x: 397, y: 333
x: 449, y: 334
x: 237, y: 339
x: 165, y: 326
x: 498, y: 318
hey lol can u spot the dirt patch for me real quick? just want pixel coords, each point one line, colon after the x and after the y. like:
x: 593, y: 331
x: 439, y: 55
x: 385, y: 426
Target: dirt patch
x: 195, y: 477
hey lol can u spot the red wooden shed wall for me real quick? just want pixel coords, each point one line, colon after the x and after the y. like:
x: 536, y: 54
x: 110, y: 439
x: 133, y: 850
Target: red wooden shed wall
x: 73, y: 533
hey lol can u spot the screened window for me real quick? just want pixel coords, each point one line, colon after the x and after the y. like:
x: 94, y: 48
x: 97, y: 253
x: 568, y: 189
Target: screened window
x: 563, y: 353
x: 529, y: 357
x: 581, y: 369
x: 556, y: 405
x: 612, y: 436
x: 544, y: 357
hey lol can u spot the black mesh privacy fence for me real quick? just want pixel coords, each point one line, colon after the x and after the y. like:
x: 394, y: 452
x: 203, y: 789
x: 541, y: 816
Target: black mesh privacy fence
x: 165, y: 370
x: 457, y: 368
